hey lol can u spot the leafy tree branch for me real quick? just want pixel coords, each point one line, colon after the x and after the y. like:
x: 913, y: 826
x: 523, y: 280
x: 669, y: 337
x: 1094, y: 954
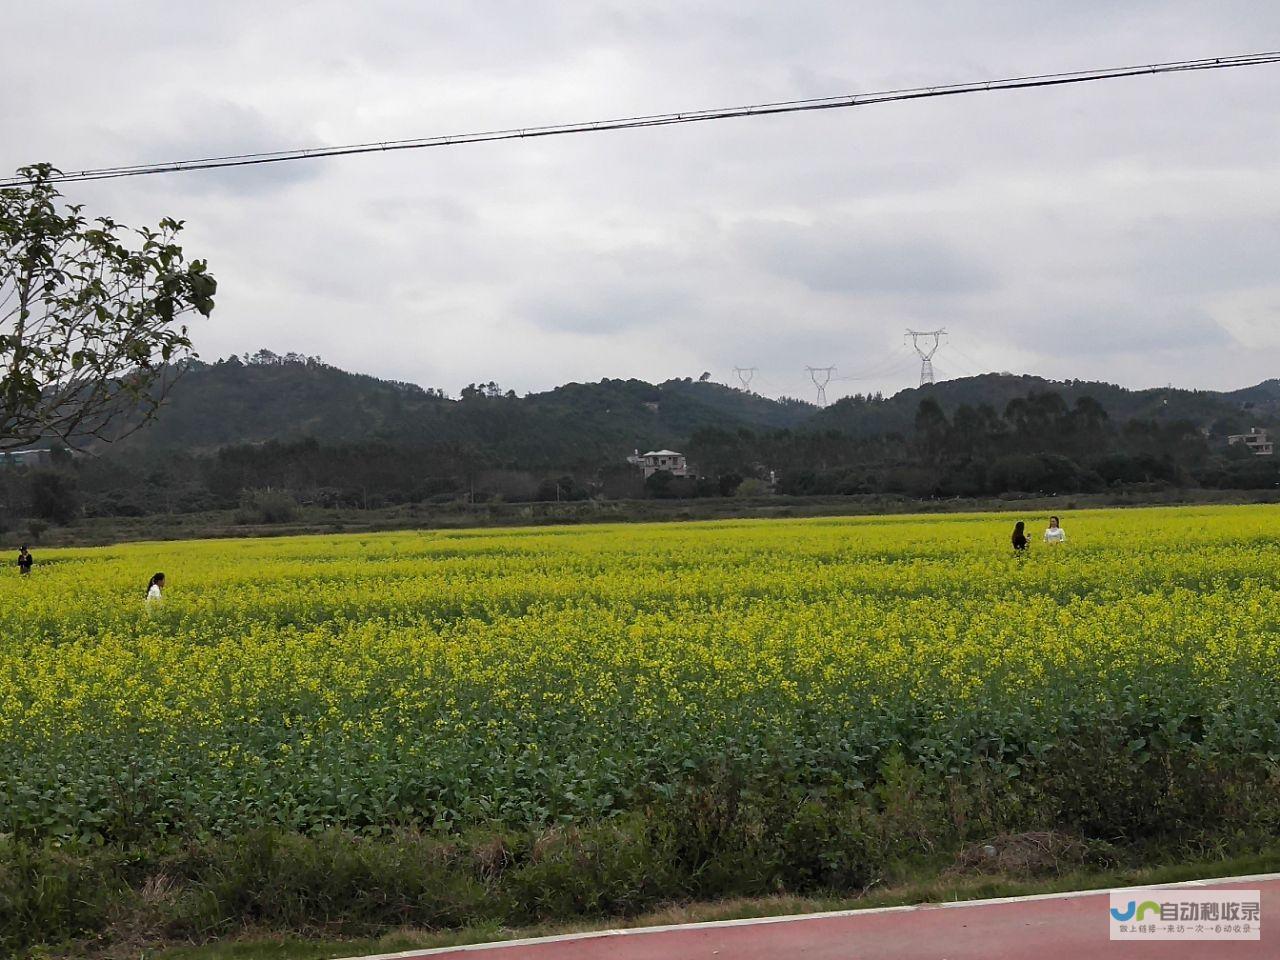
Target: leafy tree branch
x: 91, y: 336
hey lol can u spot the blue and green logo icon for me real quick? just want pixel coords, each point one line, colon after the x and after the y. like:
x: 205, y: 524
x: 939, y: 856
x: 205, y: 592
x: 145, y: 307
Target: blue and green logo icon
x: 1140, y: 909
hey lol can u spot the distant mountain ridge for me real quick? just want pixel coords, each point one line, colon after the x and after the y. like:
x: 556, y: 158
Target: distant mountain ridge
x: 290, y: 398
x: 235, y: 402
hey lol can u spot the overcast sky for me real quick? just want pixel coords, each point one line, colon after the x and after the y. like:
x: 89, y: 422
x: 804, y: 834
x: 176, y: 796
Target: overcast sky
x: 1126, y: 231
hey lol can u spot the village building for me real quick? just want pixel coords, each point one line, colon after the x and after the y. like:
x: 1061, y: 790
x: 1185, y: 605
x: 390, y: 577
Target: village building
x: 655, y: 460
x: 25, y: 458
x: 1256, y: 440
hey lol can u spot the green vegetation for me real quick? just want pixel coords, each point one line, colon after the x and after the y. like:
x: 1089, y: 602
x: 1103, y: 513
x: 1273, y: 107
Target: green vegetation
x: 905, y: 885
x: 244, y: 521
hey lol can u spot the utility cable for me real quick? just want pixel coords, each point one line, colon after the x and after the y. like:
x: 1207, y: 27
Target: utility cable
x: 662, y: 119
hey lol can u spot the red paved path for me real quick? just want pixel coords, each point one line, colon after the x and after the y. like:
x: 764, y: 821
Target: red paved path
x: 1064, y: 928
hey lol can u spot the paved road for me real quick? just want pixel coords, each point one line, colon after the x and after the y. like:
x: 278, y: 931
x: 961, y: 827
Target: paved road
x: 1063, y: 927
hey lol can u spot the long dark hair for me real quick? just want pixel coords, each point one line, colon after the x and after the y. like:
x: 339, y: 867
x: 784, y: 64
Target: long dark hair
x: 1018, y: 528
x: 155, y: 579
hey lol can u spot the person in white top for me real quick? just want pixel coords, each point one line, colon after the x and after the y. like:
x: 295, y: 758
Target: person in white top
x: 1055, y: 533
x: 155, y: 589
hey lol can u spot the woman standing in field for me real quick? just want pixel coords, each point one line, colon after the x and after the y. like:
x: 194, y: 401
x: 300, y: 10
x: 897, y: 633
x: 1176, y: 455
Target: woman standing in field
x: 155, y: 589
x: 1020, y: 538
x: 1054, y: 534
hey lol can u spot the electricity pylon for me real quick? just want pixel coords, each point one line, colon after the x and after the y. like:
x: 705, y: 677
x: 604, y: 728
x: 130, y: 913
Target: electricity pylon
x: 926, y: 343
x: 821, y: 376
x: 745, y: 374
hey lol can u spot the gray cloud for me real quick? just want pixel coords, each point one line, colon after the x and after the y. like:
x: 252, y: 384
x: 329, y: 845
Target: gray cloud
x: 599, y: 308
x: 1129, y: 329
x: 841, y: 259
x: 209, y: 127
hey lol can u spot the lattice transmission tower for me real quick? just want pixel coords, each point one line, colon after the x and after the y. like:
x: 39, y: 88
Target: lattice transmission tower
x: 926, y: 343
x: 745, y: 374
x: 821, y: 376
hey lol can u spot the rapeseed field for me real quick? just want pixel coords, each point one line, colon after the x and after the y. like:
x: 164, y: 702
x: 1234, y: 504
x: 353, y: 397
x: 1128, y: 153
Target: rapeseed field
x: 535, y: 677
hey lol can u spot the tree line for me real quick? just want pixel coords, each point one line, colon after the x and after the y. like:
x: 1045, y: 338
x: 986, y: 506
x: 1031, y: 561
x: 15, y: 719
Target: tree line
x: 1038, y: 444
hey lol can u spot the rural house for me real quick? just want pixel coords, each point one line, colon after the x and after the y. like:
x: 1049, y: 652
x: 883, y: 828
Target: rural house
x: 25, y: 458
x: 655, y: 460
x: 1256, y: 440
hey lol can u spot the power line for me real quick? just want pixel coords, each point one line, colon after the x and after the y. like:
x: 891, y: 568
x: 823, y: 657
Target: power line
x: 886, y: 365
x: 791, y: 389
x: 665, y: 119
x: 978, y: 366
x: 953, y: 369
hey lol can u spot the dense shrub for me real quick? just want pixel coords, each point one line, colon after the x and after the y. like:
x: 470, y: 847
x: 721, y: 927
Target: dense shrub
x: 716, y: 836
x: 54, y: 496
x: 267, y: 506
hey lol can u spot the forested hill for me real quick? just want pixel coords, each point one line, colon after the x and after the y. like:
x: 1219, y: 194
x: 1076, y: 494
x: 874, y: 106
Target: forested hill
x: 1217, y: 412
x: 269, y: 397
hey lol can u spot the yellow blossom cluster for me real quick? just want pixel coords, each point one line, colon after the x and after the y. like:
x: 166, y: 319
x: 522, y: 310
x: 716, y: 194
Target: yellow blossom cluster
x: 529, y: 675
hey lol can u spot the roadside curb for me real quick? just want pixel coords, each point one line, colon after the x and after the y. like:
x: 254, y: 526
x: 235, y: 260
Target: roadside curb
x: 496, y: 945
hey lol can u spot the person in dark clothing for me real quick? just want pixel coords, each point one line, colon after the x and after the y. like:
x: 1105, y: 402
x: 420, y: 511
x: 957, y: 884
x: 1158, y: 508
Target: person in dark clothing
x: 1019, y: 537
x: 25, y: 560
